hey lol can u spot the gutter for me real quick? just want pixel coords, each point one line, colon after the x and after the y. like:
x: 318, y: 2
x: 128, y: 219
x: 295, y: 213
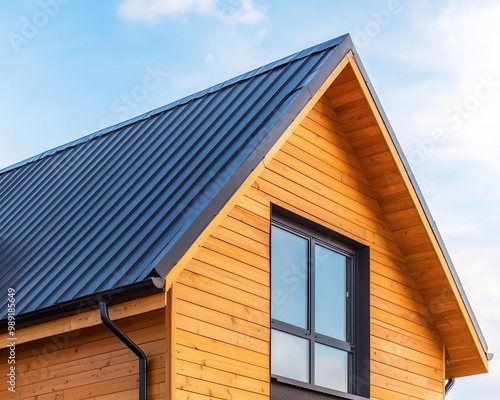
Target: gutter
x: 133, y: 291
x: 449, y: 386
x: 143, y: 359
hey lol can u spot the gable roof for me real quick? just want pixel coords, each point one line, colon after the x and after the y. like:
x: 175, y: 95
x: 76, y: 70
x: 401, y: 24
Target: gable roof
x: 112, y: 213
x: 100, y: 213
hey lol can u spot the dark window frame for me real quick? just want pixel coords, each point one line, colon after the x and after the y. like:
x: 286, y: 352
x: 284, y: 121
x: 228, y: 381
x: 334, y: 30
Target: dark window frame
x: 357, y: 339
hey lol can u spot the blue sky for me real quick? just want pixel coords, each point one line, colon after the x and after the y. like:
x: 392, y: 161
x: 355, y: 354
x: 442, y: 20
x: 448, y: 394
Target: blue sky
x: 71, y: 67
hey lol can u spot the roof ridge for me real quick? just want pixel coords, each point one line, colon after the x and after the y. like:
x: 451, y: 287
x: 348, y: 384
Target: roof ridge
x: 184, y: 100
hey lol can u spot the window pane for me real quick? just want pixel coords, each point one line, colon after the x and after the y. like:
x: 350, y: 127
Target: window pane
x: 289, y: 356
x: 330, y: 367
x: 330, y: 296
x: 289, y: 277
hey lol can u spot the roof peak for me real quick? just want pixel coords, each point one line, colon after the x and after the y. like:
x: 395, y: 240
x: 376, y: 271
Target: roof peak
x: 212, y: 89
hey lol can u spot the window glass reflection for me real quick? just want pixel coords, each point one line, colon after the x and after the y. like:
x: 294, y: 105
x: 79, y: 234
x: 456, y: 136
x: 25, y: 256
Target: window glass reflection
x: 289, y: 356
x: 289, y: 258
x: 330, y: 295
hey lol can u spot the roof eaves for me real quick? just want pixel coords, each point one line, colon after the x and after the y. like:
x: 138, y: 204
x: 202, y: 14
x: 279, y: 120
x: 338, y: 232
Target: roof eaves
x: 425, y: 207
x: 121, y: 294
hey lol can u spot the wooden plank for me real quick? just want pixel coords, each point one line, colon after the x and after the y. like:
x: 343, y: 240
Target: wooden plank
x: 398, y: 286
x: 358, y: 186
x: 327, y: 154
x: 255, y: 220
x: 116, y: 386
x: 235, y: 267
x: 341, y: 192
x: 357, y: 112
x: 399, y: 336
x: 214, y: 390
x: 31, y: 371
x: 237, y: 253
x: 218, y: 347
x: 359, y: 123
x: 91, y: 381
x: 395, y: 203
x: 380, y: 393
x: 362, y: 150
x: 395, y: 385
x: 405, y: 364
x: 406, y: 376
x: 241, y: 241
x: 247, y: 230
x: 387, y: 169
x: 358, y: 139
x: 324, y: 114
x: 143, y: 329
x: 403, y: 219
x: 339, y: 99
x: 347, y: 109
x: 396, y: 263
x: 421, y: 318
x: 259, y: 316
x: 262, y: 210
x: 385, y: 294
x: 224, y: 335
x: 224, y: 378
x: 230, y: 279
x: 223, y: 363
x: 400, y: 320
x: 346, y: 83
x: 226, y: 321
x: 321, y: 129
x: 86, y: 319
x: 222, y: 290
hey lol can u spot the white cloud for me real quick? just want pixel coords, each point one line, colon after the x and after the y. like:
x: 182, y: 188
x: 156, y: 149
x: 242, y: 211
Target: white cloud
x: 230, y: 11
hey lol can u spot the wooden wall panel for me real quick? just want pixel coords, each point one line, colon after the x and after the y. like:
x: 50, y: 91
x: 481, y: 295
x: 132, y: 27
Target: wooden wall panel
x: 91, y: 363
x: 223, y: 300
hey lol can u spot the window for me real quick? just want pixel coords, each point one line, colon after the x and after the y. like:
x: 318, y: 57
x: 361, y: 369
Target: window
x: 313, y: 312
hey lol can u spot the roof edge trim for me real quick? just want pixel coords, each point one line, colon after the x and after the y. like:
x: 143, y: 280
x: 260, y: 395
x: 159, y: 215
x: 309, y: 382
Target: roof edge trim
x: 122, y: 294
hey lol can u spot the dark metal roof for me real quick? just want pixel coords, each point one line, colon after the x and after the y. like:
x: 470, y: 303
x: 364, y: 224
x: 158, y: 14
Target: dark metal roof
x: 122, y: 205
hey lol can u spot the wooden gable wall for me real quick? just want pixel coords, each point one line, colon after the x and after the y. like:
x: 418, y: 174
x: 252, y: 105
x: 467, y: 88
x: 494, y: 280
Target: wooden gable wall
x: 222, y: 321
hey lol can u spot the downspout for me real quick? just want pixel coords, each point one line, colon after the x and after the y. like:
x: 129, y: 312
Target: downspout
x: 449, y: 385
x: 143, y: 360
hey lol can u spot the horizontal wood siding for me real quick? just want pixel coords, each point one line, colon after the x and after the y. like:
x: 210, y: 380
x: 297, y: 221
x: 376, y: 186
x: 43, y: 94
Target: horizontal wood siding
x: 223, y: 295
x: 90, y: 363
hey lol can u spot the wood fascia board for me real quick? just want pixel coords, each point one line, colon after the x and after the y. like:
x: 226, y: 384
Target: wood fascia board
x: 418, y: 206
x: 193, y: 249
x: 87, y: 319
